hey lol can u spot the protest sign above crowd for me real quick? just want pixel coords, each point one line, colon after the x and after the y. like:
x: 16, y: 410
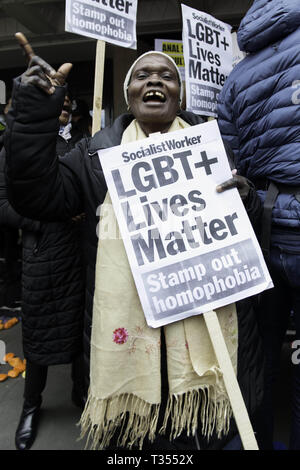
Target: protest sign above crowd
x: 207, y: 46
x: 113, y: 21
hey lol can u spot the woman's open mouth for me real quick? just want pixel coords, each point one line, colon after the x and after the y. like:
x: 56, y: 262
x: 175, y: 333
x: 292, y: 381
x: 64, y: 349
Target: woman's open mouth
x: 154, y: 96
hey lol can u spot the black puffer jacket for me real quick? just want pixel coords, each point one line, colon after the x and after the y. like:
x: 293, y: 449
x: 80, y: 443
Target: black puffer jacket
x: 41, y: 186
x: 8, y: 216
x: 52, y: 285
x: 52, y: 294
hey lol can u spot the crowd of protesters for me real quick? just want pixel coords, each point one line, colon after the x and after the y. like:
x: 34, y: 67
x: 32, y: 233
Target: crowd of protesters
x: 77, y: 289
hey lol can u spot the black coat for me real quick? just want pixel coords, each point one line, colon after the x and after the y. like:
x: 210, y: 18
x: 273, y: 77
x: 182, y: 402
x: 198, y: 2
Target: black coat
x: 52, y: 284
x: 75, y: 184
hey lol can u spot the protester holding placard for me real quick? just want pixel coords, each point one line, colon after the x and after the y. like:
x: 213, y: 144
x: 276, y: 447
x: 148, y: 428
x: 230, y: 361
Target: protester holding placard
x: 52, y: 297
x: 129, y: 360
x: 10, y: 283
x: 259, y: 116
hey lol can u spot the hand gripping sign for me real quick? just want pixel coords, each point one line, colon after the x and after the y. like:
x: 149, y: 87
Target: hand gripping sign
x: 191, y: 249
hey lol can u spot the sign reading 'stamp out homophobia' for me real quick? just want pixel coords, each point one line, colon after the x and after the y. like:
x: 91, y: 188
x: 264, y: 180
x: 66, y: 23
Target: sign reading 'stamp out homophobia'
x: 113, y: 21
x: 207, y: 46
x: 190, y: 249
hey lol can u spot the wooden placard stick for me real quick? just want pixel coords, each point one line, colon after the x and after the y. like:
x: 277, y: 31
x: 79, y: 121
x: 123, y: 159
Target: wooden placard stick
x: 231, y: 384
x: 98, y: 85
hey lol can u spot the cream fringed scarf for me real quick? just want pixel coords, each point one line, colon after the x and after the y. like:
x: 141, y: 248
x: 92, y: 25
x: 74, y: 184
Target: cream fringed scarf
x: 125, y: 376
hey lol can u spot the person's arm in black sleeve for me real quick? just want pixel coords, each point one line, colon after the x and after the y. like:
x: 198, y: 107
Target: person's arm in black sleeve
x: 9, y: 218
x: 253, y: 206
x: 39, y: 186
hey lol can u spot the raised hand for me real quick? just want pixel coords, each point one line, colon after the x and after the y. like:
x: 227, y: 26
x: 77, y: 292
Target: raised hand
x: 39, y: 72
x: 237, y: 181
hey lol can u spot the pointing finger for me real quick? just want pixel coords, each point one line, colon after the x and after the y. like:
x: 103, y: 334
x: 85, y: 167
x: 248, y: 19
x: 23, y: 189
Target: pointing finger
x: 22, y: 40
x: 31, y: 57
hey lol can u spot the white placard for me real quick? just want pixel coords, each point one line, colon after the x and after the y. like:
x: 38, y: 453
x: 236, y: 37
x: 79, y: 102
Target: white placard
x: 113, y: 21
x: 207, y: 46
x: 190, y: 248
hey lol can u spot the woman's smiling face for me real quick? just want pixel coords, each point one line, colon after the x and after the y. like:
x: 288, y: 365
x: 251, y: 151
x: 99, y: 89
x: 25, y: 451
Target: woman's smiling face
x: 154, y: 92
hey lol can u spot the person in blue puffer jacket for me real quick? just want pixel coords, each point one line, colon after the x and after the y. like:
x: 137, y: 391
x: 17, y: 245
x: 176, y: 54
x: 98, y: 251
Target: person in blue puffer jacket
x: 259, y: 116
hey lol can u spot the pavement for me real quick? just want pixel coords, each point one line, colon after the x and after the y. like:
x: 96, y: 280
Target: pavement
x: 58, y: 429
